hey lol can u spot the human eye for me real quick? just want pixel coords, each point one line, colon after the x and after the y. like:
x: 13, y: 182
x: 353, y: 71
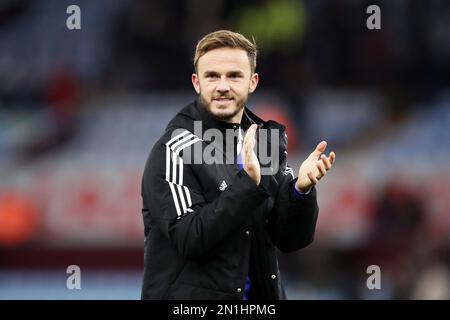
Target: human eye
x: 235, y: 75
x: 211, y: 76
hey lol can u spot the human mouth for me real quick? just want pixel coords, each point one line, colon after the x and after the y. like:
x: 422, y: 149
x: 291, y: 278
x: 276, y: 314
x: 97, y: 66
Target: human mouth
x: 223, y: 99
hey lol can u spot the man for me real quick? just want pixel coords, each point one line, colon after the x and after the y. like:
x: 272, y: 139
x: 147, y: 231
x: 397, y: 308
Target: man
x: 212, y: 228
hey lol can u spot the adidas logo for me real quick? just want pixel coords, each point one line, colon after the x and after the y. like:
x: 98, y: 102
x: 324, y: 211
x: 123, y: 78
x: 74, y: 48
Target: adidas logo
x: 223, y: 185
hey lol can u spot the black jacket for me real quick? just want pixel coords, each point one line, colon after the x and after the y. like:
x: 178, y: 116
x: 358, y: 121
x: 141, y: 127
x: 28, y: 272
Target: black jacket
x: 209, y: 226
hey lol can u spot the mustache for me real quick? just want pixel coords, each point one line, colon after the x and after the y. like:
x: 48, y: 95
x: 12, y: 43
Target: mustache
x: 223, y: 97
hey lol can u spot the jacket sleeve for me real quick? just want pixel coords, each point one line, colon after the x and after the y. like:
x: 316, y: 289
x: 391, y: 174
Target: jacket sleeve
x: 292, y: 221
x: 174, y: 203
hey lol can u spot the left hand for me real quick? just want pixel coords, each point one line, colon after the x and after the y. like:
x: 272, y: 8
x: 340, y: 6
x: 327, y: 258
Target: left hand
x: 314, y: 168
x: 250, y: 161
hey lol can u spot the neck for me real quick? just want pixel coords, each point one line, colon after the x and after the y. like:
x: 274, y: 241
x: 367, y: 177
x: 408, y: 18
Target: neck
x: 235, y: 119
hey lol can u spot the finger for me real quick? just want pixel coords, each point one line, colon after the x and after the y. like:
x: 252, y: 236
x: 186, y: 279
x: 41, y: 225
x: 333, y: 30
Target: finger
x: 249, y: 141
x: 312, y: 178
x: 244, y: 151
x: 321, y: 168
x: 332, y: 157
x: 249, y: 151
x: 250, y: 135
x: 326, y: 161
x: 319, y: 149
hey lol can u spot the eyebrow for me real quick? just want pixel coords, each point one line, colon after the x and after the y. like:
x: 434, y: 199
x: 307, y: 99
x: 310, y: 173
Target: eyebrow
x: 233, y: 72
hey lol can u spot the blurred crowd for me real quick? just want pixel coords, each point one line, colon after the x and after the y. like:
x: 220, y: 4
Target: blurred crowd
x: 148, y: 45
x: 80, y: 109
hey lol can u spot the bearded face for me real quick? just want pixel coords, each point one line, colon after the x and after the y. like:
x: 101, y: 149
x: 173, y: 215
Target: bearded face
x: 224, y: 81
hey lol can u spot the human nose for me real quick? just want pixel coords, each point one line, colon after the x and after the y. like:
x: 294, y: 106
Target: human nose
x: 223, y: 85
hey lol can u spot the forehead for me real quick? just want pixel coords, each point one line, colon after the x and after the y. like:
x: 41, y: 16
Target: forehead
x: 224, y: 59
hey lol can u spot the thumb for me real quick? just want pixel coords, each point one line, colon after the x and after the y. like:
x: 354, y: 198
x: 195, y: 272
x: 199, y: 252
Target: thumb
x: 251, y: 132
x: 319, y: 149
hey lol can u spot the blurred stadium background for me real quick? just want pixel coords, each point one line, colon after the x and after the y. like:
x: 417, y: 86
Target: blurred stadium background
x: 80, y: 110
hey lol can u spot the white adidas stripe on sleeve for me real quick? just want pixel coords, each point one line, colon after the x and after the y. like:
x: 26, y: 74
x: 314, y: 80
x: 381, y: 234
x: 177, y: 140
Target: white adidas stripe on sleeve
x: 174, y: 170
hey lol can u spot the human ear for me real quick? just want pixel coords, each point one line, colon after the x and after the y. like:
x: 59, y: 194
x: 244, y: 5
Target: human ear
x: 254, y: 79
x: 196, y: 82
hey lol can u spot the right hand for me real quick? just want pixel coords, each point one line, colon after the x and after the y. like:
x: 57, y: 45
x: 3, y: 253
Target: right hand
x: 249, y: 159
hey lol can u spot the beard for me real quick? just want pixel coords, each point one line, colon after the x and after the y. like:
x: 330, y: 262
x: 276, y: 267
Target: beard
x: 227, y: 116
